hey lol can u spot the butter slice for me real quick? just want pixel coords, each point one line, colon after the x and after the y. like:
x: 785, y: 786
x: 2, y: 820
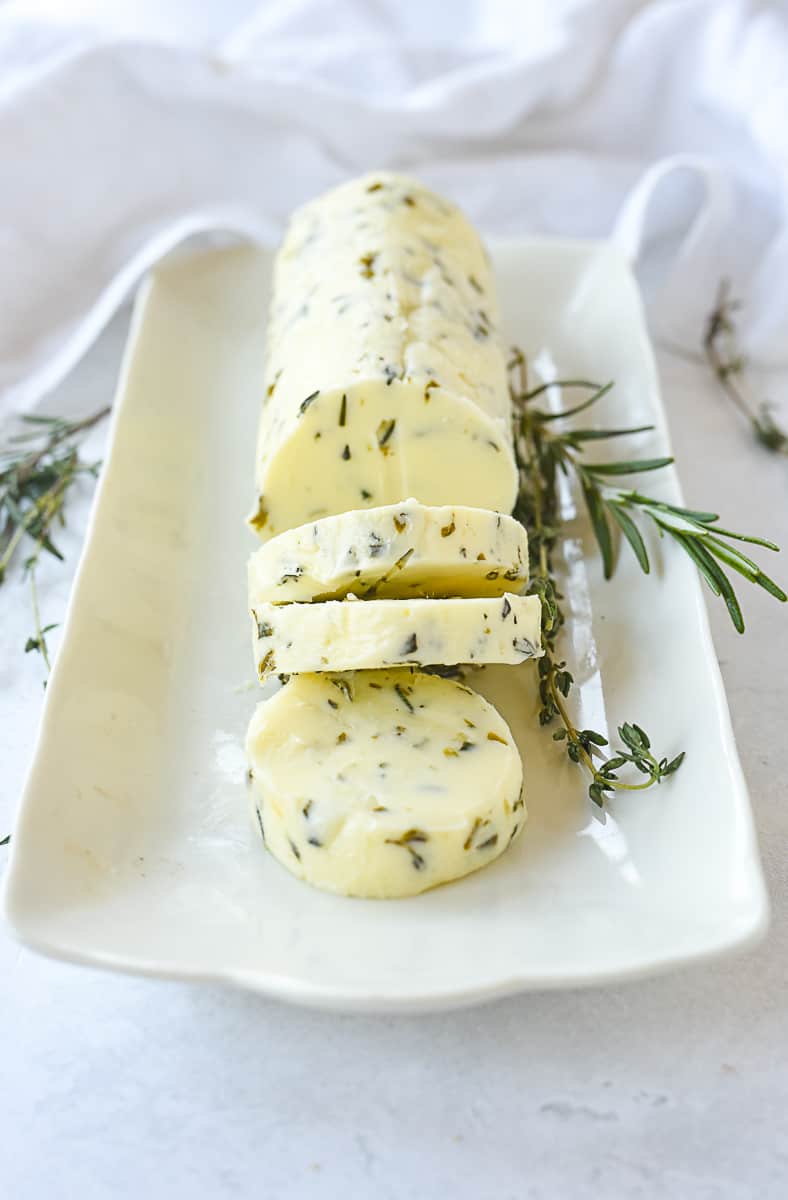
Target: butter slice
x: 400, y: 550
x: 383, y: 783
x: 351, y: 634
x: 385, y: 369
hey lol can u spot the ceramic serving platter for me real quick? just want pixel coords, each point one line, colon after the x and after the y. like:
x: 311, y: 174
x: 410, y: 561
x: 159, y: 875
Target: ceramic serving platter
x: 134, y: 849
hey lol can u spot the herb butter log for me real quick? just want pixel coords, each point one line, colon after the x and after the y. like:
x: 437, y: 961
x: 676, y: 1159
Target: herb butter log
x: 385, y: 373
x: 351, y: 634
x: 399, y: 550
x: 383, y: 783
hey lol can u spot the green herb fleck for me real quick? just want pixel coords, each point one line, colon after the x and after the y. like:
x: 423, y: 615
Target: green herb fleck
x: 410, y: 646
x: 385, y: 431
x: 407, y: 841
x: 367, y: 262
x: 260, y: 518
x: 273, y: 383
x: 344, y: 687
x: 397, y: 566
x: 304, y: 405
x: 267, y: 665
x: 477, y: 824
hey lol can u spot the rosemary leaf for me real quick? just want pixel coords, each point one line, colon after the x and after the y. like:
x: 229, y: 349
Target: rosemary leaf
x: 631, y: 533
x: 542, y: 452
x: 596, y: 511
x: 745, y: 566
x: 632, y: 467
x: 595, y: 435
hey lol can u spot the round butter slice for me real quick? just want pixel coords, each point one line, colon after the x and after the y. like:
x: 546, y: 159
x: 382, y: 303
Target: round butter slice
x: 383, y: 783
x: 348, y: 635
x: 398, y: 550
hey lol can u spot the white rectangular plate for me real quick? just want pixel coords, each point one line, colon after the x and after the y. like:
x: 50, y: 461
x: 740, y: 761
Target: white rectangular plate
x: 134, y: 848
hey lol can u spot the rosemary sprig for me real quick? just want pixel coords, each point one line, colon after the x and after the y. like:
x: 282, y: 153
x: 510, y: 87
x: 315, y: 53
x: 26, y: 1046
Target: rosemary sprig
x: 544, y: 453
x: 721, y: 348
x: 37, y: 469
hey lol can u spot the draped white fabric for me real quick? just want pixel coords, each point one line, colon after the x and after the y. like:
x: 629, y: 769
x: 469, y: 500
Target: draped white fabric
x: 131, y: 126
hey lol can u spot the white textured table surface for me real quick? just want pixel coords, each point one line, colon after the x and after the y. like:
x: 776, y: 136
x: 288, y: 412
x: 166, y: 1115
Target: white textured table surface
x: 675, y: 1087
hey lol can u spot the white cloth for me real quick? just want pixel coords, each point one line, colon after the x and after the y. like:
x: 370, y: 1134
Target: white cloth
x: 123, y: 135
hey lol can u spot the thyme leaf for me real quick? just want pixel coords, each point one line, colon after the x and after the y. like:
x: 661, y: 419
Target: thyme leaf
x: 729, y: 363
x: 38, y: 468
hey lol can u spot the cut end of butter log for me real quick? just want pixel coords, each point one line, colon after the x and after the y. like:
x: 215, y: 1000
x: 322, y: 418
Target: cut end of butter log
x: 351, y: 634
x: 396, y: 551
x: 383, y: 783
x: 385, y: 369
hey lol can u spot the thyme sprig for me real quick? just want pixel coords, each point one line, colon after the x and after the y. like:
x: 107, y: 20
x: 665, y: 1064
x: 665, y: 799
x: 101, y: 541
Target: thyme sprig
x: 729, y: 363
x: 545, y: 452
x: 37, y: 469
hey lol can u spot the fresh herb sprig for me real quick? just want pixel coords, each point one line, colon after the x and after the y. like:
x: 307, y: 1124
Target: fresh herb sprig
x: 38, y: 467
x: 729, y: 363
x: 544, y: 453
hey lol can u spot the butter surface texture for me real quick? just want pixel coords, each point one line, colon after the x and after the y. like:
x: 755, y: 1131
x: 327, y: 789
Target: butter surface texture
x: 385, y: 372
x: 401, y: 550
x: 383, y: 783
x: 345, y: 635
